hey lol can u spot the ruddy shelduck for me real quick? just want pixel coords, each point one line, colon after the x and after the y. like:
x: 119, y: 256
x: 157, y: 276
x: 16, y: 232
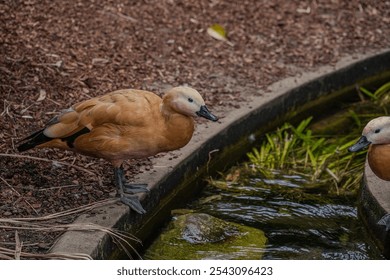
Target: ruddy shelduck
x: 376, y: 135
x: 124, y: 124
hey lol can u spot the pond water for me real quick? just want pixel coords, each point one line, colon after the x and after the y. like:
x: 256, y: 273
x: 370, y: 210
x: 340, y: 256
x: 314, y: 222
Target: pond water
x: 299, y: 221
x: 326, y: 228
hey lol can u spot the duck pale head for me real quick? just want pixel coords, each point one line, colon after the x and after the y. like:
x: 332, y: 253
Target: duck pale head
x: 376, y: 132
x: 187, y: 101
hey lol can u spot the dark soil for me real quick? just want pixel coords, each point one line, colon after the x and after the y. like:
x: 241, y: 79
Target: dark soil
x: 55, y: 53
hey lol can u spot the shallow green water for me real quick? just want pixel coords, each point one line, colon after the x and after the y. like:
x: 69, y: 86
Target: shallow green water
x: 316, y: 228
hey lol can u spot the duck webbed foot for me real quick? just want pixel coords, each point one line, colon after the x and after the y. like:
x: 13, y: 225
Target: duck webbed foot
x: 126, y: 191
x: 385, y: 221
x: 133, y: 202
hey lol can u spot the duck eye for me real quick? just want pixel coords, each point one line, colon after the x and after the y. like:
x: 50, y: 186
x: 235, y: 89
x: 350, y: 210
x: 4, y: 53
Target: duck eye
x: 190, y: 100
x: 377, y: 130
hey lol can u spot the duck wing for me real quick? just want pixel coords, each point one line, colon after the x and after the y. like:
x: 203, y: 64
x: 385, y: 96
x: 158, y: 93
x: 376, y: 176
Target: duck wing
x: 118, y: 108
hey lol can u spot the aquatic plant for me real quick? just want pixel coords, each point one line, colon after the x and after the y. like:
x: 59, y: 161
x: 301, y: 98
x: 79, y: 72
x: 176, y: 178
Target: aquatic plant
x: 380, y: 92
x: 296, y: 150
x: 380, y: 97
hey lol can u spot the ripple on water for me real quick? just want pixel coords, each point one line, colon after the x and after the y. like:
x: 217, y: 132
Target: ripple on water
x: 323, y: 228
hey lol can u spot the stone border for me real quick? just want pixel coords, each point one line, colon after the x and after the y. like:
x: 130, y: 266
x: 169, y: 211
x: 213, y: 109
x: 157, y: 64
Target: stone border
x: 176, y: 177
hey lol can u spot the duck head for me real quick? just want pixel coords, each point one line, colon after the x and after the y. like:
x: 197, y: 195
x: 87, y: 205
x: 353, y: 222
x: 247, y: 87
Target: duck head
x: 187, y: 101
x: 376, y: 132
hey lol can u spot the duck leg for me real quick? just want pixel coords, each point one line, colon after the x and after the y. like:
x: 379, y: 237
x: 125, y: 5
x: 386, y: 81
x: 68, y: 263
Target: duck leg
x: 125, y: 189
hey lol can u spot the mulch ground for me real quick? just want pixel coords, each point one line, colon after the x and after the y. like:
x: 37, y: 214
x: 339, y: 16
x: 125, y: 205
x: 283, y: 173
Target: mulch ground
x: 56, y: 53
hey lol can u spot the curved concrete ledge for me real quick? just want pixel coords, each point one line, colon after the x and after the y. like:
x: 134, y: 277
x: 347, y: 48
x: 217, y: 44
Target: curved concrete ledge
x: 176, y: 176
x: 374, y: 204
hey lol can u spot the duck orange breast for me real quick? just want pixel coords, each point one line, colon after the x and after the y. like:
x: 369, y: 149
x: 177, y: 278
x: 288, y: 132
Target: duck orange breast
x: 379, y: 160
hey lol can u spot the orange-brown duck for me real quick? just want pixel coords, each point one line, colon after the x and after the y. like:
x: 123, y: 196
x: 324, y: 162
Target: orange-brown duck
x: 376, y: 135
x: 124, y: 124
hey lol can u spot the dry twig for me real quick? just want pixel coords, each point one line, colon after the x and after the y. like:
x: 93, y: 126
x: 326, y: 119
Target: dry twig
x: 18, y: 246
x: 120, y: 238
x: 42, y: 224
x: 76, y: 210
x: 8, y: 254
x: 208, y: 161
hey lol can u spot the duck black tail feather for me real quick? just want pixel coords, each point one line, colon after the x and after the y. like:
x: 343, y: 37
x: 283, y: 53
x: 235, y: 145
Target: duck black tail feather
x: 38, y: 138
x: 33, y: 140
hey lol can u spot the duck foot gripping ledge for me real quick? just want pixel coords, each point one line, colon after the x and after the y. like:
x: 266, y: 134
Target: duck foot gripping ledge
x: 127, y: 191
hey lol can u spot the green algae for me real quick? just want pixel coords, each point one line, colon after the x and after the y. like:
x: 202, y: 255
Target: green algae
x: 201, y: 236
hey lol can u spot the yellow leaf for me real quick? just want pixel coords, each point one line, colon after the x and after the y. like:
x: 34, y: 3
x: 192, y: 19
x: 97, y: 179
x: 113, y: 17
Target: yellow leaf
x: 217, y: 32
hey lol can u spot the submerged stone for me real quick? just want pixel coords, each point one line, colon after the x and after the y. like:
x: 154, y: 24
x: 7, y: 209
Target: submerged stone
x: 202, y: 228
x: 202, y: 236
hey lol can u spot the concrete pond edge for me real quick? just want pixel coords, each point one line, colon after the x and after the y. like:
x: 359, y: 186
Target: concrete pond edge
x: 177, y: 176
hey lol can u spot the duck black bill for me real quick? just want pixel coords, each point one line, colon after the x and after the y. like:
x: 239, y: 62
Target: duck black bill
x: 205, y: 113
x: 360, y: 144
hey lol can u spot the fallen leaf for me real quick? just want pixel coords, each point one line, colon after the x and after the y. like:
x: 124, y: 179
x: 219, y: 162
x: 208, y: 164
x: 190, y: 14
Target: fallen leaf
x: 217, y: 32
x: 58, y: 64
x: 42, y: 95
